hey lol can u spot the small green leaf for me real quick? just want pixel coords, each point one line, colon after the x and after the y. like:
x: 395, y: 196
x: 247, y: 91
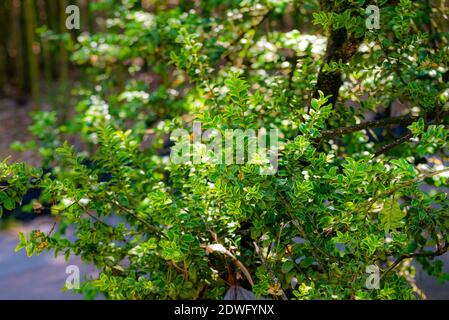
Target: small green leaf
x: 29, y: 249
x: 391, y: 215
x: 22, y: 242
x: 9, y: 204
x: 287, y: 266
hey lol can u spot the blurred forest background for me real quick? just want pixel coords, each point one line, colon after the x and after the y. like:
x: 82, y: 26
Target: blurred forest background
x: 35, y: 72
x: 34, y: 47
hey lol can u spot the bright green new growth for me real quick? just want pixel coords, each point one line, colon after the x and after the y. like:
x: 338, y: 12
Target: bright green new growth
x: 346, y: 195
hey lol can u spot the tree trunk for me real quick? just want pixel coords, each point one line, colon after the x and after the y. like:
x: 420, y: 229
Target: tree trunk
x: 44, y: 19
x: 53, y: 24
x: 340, y: 46
x: 15, y: 49
x: 3, y: 39
x: 33, y: 69
x: 63, y: 57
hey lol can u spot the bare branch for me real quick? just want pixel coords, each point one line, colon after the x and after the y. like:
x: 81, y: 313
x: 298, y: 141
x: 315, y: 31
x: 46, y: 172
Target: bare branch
x: 393, y: 144
x: 427, y: 254
x: 387, y: 122
x: 135, y: 216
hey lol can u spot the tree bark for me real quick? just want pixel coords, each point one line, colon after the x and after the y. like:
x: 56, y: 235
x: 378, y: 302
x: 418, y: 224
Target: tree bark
x: 63, y: 56
x: 3, y: 39
x: 340, y: 46
x: 15, y: 48
x: 44, y: 19
x: 33, y: 69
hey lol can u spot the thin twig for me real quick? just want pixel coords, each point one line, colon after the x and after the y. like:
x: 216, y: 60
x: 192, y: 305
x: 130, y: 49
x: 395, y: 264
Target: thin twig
x: 270, y: 270
x: 408, y: 136
x: 393, y: 121
x: 135, y: 216
x: 393, y: 144
x: 405, y: 184
x: 428, y: 254
x: 52, y: 229
x: 98, y: 220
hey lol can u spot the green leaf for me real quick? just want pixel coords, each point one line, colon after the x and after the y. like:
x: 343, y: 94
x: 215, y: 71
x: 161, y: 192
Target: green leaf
x: 287, y: 266
x: 29, y: 249
x: 391, y: 215
x: 22, y: 242
x: 9, y: 204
